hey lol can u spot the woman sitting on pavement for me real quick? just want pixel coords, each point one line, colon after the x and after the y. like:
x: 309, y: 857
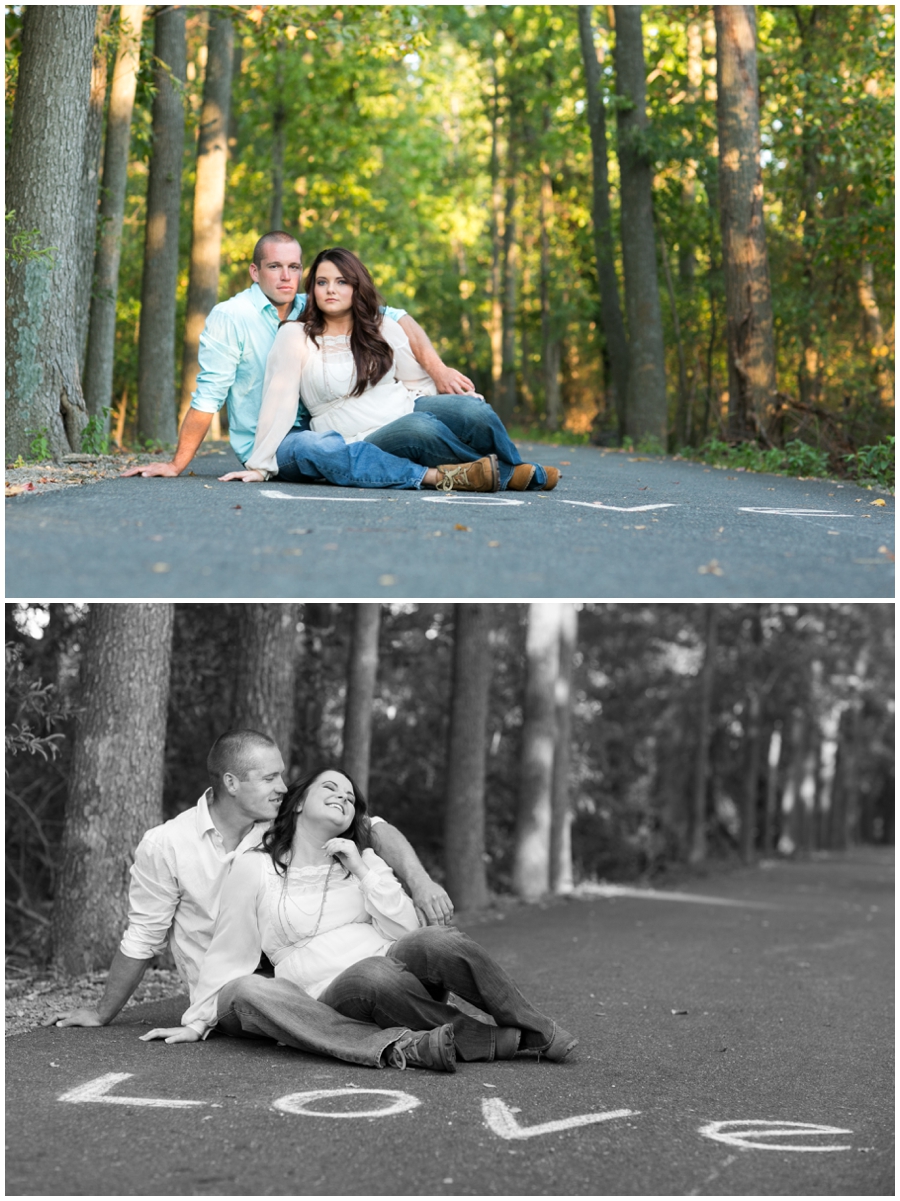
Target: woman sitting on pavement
x: 357, y: 375
x: 335, y: 921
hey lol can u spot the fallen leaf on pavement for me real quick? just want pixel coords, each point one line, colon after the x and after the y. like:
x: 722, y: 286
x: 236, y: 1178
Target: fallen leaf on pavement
x: 160, y: 567
x: 493, y: 544
x: 679, y: 1012
x: 711, y: 568
x: 205, y: 485
x: 878, y: 502
x: 640, y: 527
x: 236, y: 506
x: 298, y: 531
x: 387, y: 581
x: 467, y: 528
x: 565, y: 462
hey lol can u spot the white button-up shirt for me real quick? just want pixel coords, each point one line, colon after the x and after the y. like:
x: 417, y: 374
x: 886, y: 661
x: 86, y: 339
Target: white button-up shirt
x: 176, y: 881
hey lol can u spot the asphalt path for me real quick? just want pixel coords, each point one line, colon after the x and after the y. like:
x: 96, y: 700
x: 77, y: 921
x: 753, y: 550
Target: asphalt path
x: 618, y: 525
x: 756, y: 1006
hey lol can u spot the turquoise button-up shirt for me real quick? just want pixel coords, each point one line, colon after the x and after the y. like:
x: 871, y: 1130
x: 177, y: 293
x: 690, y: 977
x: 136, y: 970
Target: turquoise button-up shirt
x: 234, y: 345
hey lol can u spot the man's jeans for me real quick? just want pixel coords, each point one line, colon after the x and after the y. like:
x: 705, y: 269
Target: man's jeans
x: 407, y: 987
x: 305, y: 456
x: 453, y: 429
x: 260, y: 1007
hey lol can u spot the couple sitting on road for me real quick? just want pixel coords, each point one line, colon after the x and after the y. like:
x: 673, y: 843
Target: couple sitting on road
x: 368, y: 417
x: 356, y: 977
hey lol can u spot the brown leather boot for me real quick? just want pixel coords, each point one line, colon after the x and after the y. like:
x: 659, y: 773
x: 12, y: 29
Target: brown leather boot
x: 432, y: 1049
x: 521, y: 477
x: 481, y: 476
x: 553, y: 477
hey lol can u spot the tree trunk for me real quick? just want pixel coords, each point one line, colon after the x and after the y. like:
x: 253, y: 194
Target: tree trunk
x: 875, y: 334
x: 496, y: 326
x: 682, y: 433
x: 116, y: 784
x: 101, y: 347
x: 44, y: 171
x: 748, y: 295
x: 361, y: 672
x: 209, y: 197
x: 510, y: 287
x: 604, y: 246
x: 771, y: 810
x: 697, y: 851
x: 265, y: 673
x: 550, y: 345
x: 156, y: 348
x: 751, y: 780
x: 646, y: 408
x: 464, y: 814
x: 561, y: 877
x: 90, y: 183
x: 279, y: 138
x: 531, y: 854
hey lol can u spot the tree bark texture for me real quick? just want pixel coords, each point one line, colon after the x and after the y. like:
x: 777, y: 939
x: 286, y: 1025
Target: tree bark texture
x: 361, y: 673
x: 156, y: 347
x: 748, y: 293
x: 561, y: 877
x: 116, y: 784
x: 646, y: 409
x: 604, y: 245
x: 90, y: 183
x: 697, y: 851
x: 464, y: 812
x: 43, y: 182
x: 101, y: 346
x: 510, y: 288
x: 496, y: 326
x: 265, y: 673
x: 880, y: 351
x: 209, y: 197
x: 531, y: 854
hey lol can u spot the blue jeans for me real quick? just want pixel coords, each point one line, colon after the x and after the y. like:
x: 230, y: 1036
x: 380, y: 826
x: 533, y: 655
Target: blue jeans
x: 407, y: 987
x: 453, y: 429
x: 260, y: 1007
x: 306, y: 457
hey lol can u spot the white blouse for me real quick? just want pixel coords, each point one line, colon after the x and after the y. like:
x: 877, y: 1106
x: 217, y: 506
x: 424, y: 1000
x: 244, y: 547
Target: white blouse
x: 310, y: 930
x: 325, y: 374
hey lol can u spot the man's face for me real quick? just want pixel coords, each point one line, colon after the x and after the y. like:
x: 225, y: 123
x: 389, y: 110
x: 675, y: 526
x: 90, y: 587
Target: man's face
x: 279, y: 272
x: 258, y: 793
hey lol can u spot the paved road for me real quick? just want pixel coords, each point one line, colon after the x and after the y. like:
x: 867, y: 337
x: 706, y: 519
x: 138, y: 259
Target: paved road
x: 786, y: 977
x: 618, y: 525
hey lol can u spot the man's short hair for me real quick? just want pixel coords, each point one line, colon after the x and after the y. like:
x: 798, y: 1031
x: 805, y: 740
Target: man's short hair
x: 274, y: 235
x: 233, y: 752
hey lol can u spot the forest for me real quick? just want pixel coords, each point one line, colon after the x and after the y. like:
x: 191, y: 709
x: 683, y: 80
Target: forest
x: 525, y: 750
x: 662, y: 227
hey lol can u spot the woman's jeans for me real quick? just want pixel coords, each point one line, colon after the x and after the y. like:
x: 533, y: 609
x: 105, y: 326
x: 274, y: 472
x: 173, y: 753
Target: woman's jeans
x: 260, y: 1007
x: 305, y: 456
x: 407, y: 986
x: 453, y: 429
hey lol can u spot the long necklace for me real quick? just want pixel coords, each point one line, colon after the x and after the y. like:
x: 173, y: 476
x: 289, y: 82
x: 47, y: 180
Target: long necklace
x: 294, y: 934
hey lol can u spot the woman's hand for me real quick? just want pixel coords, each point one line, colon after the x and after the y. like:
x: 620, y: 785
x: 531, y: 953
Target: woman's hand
x: 173, y: 1034
x: 347, y: 853
x: 246, y: 477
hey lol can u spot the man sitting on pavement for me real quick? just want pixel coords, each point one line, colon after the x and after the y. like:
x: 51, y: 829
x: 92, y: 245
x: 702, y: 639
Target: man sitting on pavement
x: 234, y: 346
x: 176, y: 880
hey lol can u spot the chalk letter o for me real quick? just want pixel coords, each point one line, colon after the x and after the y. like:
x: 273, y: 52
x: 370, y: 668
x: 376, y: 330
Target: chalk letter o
x: 298, y: 1102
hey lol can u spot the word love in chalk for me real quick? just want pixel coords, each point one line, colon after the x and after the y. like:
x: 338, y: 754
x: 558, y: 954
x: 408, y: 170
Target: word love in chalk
x: 499, y: 1118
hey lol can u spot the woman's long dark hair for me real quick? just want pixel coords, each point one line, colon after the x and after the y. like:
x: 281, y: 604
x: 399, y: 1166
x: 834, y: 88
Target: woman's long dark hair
x: 277, y: 840
x: 372, y: 355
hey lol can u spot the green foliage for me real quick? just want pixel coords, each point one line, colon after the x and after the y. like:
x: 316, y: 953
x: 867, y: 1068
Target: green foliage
x: 874, y: 464
x: 39, y: 447
x: 801, y: 459
x: 650, y: 445
x: 94, y: 438
x: 797, y: 458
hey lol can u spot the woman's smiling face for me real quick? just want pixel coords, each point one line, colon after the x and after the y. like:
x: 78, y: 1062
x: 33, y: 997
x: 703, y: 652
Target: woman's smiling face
x: 334, y: 295
x: 330, y: 801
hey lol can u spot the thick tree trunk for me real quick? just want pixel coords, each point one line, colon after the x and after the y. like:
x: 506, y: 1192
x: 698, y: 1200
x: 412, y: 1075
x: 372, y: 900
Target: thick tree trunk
x: 464, y: 814
x: 531, y: 855
x: 878, y: 347
x: 604, y: 246
x: 697, y: 851
x: 748, y: 294
x: 43, y: 182
x: 101, y: 347
x: 751, y: 779
x: 156, y: 348
x: 550, y: 343
x: 561, y: 876
x: 361, y: 672
x: 510, y: 288
x: 90, y: 183
x: 646, y: 409
x: 265, y: 673
x: 116, y: 784
x: 771, y: 811
x: 209, y: 197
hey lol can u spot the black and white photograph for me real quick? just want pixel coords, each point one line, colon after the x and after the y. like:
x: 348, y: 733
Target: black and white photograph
x: 622, y: 899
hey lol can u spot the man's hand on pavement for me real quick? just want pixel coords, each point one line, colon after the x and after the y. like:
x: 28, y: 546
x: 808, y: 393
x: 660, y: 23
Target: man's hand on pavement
x: 433, y: 902
x: 173, y: 1034
x: 450, y: 381
x: 75, y: 1017
x: 148, y: 469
